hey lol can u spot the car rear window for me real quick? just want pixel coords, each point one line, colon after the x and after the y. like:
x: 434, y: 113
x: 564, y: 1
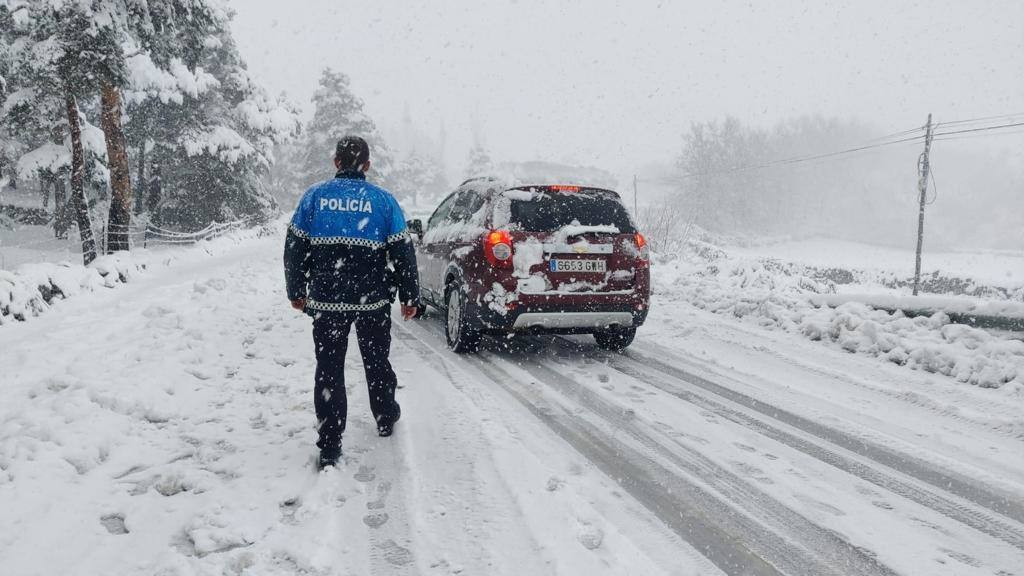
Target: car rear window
x: 550, y: 211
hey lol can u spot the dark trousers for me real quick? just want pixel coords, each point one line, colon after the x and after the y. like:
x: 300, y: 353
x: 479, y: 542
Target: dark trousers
x: 330, y: 335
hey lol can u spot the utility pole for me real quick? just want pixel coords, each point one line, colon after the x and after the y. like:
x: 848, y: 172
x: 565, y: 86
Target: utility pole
x: 635, y: 213
x: 922, y: 190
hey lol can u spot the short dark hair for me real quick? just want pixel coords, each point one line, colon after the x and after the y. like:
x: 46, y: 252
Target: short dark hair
x: 351, y: 153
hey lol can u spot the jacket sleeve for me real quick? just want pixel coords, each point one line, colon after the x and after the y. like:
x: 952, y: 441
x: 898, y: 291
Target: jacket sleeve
x: 297, y: 251
x: 402, y: 255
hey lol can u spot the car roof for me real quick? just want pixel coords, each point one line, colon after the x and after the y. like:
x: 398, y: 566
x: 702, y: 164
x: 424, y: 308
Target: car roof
x: 503, y: 185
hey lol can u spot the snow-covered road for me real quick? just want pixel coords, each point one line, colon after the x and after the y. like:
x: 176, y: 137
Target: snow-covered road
x: 166, y: 428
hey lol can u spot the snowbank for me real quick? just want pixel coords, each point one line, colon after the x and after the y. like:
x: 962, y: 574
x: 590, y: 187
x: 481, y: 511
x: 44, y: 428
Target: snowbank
x: 948, y: 304
x: 793, y: 298
x: 33, y: 289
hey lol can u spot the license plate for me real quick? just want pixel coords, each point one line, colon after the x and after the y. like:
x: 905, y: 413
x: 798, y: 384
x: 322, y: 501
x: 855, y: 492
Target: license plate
x: 578, y: 266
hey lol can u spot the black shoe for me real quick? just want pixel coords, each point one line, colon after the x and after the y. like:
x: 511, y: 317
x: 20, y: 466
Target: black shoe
x: 329, y: 458
x: 387, y: 428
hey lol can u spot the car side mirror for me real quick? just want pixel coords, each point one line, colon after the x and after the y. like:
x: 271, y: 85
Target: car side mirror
x: 415, y: 227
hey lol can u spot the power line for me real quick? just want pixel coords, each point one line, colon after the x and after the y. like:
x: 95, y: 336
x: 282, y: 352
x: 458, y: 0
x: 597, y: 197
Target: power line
x: 982, y: 119
x: 783, y: 161
x: 840, y: 152
x: 981, y: 129
x: 968, y: 136
x: 897, y: 134
x: 935, y: 187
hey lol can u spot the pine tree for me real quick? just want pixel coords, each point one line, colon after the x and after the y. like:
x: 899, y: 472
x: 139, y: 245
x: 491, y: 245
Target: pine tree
x: 479, y: 162
x: 195, y: 119
x: 339, y: 112
x: 418, y: 180
x: 54, y: 62
x: 196, y: 114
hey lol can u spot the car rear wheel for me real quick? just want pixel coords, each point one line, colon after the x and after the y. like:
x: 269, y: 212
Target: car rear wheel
x: 462, y: 337
x: 615, y: 339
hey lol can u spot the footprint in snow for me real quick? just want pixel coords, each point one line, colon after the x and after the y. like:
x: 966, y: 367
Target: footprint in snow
x: 199, y: 374
x: 394, y: 554
x: 818, y: 504
x: 376, y: 520
x: 288, y: 509
x: 590, y: 536
x: 753, y: 472
x: 365, y: 474
x: 555, y: 484
x: 114, y: 523
x: 383, y: 489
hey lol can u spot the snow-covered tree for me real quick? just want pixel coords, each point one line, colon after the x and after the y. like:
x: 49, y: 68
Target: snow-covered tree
x: 197, y: 118
x: 339, y: 112
x: 57, y: 58
x: 479, y: 162
x: 418, y: 180
x: 170, y: 90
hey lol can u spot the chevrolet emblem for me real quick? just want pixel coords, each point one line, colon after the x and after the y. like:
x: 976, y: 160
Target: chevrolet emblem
x: 580, y: 249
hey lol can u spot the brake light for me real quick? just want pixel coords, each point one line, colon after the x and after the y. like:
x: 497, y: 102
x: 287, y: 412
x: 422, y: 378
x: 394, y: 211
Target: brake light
x: 643, y: 250
x: 564, y: 188
x: 498, y: 248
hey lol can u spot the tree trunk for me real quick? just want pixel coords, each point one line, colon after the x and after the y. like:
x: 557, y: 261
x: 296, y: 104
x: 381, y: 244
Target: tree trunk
x: 44, y: 191
x: 120, y: 178
x: 140, y: 180
x: 153, y: 195
x: 78, y: 181
x: 60, y: 208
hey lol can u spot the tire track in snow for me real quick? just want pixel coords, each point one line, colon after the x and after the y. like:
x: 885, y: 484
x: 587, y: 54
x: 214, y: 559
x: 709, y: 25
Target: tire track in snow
x: 736, y: 543
x: 666, y: 378
x: 827, y: 547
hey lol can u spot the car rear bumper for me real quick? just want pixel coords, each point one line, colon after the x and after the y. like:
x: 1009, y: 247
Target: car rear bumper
x: 560, y: 316
x: 545, y: 321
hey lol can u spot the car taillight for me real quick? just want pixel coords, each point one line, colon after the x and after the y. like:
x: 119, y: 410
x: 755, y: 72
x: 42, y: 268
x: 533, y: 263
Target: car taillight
x: 498, y: 248
x: 643, y: 251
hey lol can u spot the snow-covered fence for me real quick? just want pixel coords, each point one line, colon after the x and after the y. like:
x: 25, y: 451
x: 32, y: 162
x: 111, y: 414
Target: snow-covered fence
x: 152, y: 234
x: 147, y: 234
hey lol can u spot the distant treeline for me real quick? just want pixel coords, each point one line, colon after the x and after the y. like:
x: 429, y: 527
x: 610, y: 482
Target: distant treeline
x: 730, y: 180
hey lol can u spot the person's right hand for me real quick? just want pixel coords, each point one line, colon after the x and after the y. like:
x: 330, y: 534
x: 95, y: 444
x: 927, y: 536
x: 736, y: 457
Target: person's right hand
x: 409, y: 312
x: 299, y: 304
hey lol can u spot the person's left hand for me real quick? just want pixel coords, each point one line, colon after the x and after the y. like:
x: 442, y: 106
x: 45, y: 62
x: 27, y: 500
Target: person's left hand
x: 299, y: 304
x: 409, y: 312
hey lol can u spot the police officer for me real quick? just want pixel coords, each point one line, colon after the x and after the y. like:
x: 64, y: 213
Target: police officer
x: 341, y: 239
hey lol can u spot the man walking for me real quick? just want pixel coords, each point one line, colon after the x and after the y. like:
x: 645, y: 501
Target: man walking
x: 344, y: 233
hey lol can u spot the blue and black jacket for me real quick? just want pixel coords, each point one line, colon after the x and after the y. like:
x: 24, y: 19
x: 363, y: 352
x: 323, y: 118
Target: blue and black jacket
x: 344, y: 233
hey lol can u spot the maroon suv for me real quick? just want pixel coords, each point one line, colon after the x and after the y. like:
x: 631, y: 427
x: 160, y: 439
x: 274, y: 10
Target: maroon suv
x: 536, y: 259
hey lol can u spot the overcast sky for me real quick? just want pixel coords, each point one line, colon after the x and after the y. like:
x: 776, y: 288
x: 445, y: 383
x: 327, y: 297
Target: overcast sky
x: 614, y: 84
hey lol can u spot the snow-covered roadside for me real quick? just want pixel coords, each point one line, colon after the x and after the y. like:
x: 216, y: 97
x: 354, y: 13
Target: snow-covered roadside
x: 33, y: 289
x: 785, y: 297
